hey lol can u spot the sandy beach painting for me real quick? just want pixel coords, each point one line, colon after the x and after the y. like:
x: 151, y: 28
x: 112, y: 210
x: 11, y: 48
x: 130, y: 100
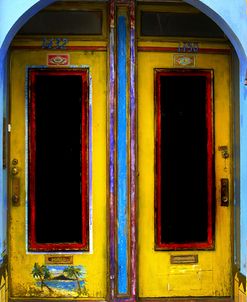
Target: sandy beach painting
x: 60, y: 280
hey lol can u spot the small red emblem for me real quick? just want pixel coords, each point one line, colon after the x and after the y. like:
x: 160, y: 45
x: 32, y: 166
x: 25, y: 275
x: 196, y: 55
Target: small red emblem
x: 58, y: 60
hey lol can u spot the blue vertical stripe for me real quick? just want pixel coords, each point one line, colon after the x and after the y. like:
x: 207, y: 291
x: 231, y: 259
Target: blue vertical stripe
x: 122, y: 159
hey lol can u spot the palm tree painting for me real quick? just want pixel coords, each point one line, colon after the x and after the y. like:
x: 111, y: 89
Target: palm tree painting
x: 76, y: 273
x: 42, y: 273
x: 64, y: 280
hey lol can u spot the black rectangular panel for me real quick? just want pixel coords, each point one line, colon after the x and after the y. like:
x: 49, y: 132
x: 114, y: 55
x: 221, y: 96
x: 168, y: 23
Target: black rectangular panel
x: 184, y: 212
x: 58, y: 159
x: 64, y: 22
x: 178, y: 25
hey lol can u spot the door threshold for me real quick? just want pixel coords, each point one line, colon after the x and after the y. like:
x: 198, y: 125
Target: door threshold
x: 170, y: 299
x: 53, y: 300
x: 188, y: 299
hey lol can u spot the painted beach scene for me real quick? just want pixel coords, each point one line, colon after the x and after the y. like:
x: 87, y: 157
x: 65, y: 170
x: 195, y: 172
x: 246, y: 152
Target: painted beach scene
x: 60, y: 281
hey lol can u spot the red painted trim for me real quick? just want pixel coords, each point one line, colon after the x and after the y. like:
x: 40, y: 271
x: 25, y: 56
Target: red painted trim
x: 133, y: 163
x: 209, y: 122
x: 112, y: 153
x: 32, y: 242
x: 208, y: 74
x: 175, y: 49
x: 68, y: 48
x: 158, y: 160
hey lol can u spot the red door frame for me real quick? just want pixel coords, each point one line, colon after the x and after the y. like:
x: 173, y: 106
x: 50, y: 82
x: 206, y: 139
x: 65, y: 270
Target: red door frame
x: 208, y: 75
x: 33, y: 245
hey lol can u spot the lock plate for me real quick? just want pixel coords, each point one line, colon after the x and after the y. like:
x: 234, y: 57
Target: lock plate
x: 16, y: 191
x: 224, y: 192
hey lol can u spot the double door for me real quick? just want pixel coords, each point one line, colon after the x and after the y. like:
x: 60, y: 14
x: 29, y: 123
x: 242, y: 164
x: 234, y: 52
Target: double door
x: 58, y: 208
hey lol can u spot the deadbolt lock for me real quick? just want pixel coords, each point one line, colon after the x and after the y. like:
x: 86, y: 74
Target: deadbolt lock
x: 14, y: 161
x: 224, y: 151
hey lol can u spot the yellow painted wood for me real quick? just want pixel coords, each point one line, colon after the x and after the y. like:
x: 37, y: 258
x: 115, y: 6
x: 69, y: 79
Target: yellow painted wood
x: 38, y: 40
x: 202, y: 43
x: 20, y: 262
x: 212, y: 275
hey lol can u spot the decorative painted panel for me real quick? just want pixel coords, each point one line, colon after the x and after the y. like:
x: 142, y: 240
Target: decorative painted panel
x: 59, y: 281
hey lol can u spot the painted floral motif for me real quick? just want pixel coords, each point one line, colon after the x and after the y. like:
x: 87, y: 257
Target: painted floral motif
x: 184, y: 61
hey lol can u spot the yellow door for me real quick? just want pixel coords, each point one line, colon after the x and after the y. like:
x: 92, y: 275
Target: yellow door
x: 57, y: 187
x: 184, y: 213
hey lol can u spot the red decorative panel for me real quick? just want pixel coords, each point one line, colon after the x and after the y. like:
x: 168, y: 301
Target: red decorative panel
x: 58, y: 160
x: 58, y: 59
x: 184, y: 186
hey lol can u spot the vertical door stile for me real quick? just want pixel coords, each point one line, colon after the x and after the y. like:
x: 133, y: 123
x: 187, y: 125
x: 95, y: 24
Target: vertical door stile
x: 133, y: 152
x: 112, y: 150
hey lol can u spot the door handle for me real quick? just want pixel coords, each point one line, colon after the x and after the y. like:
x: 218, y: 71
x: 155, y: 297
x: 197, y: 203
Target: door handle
x: 224, y: 192
x: 15, y: 184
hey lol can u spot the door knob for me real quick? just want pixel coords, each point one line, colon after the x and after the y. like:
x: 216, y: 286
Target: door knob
x: 14, y: 171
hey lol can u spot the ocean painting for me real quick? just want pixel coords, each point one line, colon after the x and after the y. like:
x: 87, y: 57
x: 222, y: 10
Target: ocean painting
x: 60, y: 280
x: 67, y: 285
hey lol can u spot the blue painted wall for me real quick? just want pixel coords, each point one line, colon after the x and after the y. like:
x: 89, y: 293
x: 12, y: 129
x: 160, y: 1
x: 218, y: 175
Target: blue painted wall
x: 231, y: 16
x: 13, y: 14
